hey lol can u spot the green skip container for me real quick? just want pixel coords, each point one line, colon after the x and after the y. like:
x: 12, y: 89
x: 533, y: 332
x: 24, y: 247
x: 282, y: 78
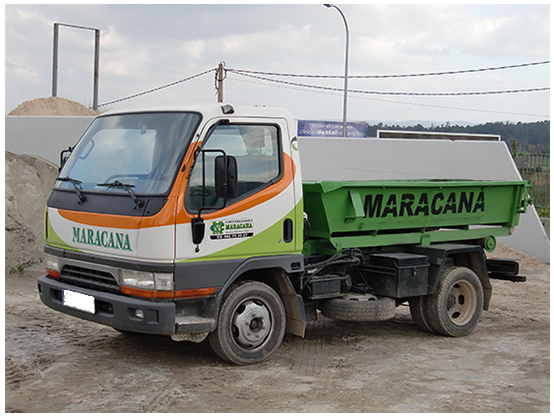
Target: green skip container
x: 370, y: 214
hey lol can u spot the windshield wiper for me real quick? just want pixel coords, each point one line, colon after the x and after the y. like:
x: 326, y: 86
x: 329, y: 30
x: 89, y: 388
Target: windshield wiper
x: 77, y: 185
x: 127, y: 188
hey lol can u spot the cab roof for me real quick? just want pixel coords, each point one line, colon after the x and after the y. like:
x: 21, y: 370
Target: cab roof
x: 210, y: 110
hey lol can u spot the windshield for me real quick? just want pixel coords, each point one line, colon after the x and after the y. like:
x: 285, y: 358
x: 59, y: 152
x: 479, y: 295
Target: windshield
x: 140, y: 151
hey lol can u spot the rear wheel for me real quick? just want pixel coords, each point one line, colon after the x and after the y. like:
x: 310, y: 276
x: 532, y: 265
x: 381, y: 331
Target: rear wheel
x: 455, y: 308
x: 251, y: 324
x: 419, y: 313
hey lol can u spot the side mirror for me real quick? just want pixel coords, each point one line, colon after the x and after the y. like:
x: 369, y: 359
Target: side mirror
x: 226, y: 177
x: 198, y: 230
x: 64, y: 155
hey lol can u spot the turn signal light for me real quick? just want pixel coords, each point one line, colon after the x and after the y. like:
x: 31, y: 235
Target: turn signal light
x: 53, y: 273
x: 150, y: 294
x: 194, y: 293
x: 168, y: 294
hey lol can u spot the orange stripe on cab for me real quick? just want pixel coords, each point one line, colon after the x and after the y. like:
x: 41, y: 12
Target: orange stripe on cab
x: 167, y: 217
x: 258, y: 198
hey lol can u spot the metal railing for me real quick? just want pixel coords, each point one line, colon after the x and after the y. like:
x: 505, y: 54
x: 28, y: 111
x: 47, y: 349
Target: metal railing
x: 533, y: 162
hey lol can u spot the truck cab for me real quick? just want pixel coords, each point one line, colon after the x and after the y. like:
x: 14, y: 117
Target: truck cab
x: 144, y: 234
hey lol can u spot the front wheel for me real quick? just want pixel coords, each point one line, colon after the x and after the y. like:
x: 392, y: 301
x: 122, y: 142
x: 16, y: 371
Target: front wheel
x: 455, y: 308
x: 251, y: 324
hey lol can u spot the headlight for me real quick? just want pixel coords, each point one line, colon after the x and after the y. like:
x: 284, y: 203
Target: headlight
x: 140, y: 280
x: 52, y: 265
x: 163, y: 281
x: 51, y: 262
x: 147, y: 280
x: 157, y: 286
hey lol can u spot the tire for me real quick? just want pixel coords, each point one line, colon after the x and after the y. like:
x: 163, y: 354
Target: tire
x: 358, y: 308
x: 455, y: 308
x: 419, y: 313
x: 251, y: 324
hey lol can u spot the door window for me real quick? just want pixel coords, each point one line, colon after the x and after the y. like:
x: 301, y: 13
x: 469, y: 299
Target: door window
x: 256, y: 150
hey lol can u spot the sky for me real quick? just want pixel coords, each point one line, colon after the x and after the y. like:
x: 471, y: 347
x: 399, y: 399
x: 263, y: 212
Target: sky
x: 143, y: 47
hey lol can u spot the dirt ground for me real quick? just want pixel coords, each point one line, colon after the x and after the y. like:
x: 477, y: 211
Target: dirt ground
x: 57, y: 363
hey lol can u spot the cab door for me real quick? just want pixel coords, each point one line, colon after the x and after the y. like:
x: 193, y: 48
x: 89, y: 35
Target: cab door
x: 260, y: 218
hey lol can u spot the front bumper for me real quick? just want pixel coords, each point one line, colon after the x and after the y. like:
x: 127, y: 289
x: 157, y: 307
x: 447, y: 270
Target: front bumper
x: 118, y: 311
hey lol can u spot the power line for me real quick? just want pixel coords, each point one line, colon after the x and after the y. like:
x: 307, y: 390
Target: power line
x: 249, y: 74
x: 392, y: 101
x: 157, y: 88
x: 243, y: 71
x: 397, y: 92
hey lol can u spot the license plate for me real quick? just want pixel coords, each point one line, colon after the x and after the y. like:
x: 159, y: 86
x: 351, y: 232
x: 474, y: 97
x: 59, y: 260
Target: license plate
x: 78, y: 301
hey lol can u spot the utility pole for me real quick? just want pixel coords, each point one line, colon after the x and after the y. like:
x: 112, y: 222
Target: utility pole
x: 220, y: 82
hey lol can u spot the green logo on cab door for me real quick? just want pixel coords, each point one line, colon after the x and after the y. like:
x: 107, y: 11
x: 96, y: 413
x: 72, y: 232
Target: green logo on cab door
x: 232, y: 229
x: 217, y: 227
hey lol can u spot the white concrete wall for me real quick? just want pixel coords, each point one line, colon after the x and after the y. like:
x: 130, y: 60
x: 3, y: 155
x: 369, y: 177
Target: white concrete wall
x: 382, y: 159
x: 44, y: 136
x: 335, y: 159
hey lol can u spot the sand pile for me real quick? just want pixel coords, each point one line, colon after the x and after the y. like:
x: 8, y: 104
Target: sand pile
x: 525, y: 261
x: 29, y: 181
x: 52, y: 106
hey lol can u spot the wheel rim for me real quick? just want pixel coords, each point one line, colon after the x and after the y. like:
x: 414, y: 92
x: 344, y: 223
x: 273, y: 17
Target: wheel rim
x: 462, y: 302
x: 251, y: 324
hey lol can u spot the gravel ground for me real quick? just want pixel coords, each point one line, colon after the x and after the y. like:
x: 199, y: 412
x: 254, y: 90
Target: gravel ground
x: 57, y: 363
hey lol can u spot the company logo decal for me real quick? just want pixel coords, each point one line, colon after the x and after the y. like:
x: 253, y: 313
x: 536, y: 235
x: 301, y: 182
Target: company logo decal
x: 232, y: 229
x: 440, y: 204
x: 106, y: 239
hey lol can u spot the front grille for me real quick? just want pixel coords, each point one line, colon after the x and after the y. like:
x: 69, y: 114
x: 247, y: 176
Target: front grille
x: 89, y: 278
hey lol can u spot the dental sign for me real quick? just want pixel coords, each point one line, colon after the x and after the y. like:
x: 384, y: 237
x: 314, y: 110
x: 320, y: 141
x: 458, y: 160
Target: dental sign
x: 331, y: 129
